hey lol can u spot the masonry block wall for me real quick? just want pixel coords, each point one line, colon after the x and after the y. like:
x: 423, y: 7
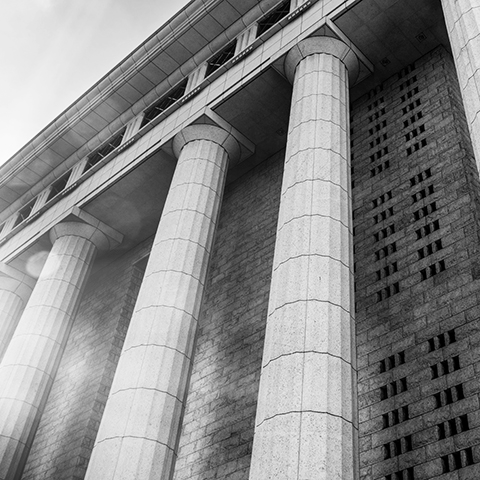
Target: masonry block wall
x: 70, y: 422
x: 217, y: 434
x: 416, y: 277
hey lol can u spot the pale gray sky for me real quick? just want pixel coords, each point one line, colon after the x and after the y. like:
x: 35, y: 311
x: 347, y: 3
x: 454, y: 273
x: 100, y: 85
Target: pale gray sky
x: 54, y: 50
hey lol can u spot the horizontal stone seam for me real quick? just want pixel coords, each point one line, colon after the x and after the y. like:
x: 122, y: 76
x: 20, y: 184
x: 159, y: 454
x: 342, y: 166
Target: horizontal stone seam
x: 10, y: 438
x: 48, y: 280
x: 36, y: 407
x: 164, y: 215
x: 316, y: 121
x: 76, y: 258
x: 196, y: 158
x: 329, y: 72
x: 49, y: 307
x: 195, y: 183
x: 280, y: 227
x: 290, y: 156
x: 182, y: 239
x: 32, y: 334
x: 145, y: 388
x: 313, y: 180
x: 309, y: 300
x: 155, y: 345
x: 276, y: 267
x: 310, y: 351
x: 166, y: 306
x: 133, y: 436
x: 175, y: 271
x: 305, y: 411
x: 302, y: 98
x: 216, y: 164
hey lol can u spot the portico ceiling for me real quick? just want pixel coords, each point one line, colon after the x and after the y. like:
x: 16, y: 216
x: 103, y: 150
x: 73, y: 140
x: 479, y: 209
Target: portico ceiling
x: 392, y: 34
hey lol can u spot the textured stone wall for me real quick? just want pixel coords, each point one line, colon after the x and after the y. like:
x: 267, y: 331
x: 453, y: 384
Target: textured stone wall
x: 217, y: 434
x: 417, y: 277
x: 68, y: 427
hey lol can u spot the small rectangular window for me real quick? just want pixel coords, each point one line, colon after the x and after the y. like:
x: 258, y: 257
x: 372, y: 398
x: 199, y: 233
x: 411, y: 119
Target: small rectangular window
x: 220, y: 58
x: 108, y: 147
x: 267, y: 22
x: 25, y: 212
x: 166, y: 101
x: 58, y: 186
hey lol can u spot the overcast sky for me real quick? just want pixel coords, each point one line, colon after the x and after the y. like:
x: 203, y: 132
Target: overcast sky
x: 54, y: 50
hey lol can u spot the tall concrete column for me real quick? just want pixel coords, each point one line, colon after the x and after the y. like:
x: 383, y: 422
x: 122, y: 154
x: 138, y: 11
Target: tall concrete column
x: 28, y: 368
x: 306, y: 424
x: 13, y: 296
x: 138, y: 434
x: 462, y: 18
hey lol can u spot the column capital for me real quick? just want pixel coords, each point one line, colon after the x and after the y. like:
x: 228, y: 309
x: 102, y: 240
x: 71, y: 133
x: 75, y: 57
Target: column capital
x: 327, y: 45
x: 207, y: 132
x: 83, y: 230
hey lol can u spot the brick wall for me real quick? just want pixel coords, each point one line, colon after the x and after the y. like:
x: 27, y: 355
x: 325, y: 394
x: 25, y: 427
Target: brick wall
x: 217, y: 433
x: 416, y: 277
x: 69, y: 425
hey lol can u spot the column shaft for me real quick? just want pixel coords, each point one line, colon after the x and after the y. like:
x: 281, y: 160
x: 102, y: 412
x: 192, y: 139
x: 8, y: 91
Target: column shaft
x: 305, y: 423
x: 31, y: 360
x: 462, y: 18
x: 12, y: 301
x: 139, y: 429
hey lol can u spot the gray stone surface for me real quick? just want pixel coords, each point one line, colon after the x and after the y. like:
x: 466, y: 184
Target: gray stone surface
x: 31, y: 359
x: 306, y: 423
x: 139, y: 429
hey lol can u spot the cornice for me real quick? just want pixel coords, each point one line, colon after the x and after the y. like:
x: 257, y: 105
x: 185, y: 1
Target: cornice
x: 114, y: 79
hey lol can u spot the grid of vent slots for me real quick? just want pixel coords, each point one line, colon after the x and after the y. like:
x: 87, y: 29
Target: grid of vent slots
x: 452, y: 426
x: 377, y: 110
x: 383, y: 252
x: 396, y: 446
x: 420, y: 180
x: 409, y: 107
x: 448, y: 428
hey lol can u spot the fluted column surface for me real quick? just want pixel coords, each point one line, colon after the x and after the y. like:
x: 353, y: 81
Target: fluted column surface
x: 138, y: 434
x: 30, y: 362
x: 305, y: 423
x: 462, y: 18
x: 13, y: 295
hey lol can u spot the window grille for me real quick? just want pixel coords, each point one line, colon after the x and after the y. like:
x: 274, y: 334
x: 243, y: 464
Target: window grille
x: 58, y: 186
x: 104, y: 150
x: 273, y: 17
x: 166, y: 101
x: 24, y: 212
x: 220, y: 58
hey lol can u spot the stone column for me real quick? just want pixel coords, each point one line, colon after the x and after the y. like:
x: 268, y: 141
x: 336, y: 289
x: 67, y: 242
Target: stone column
x: 13, y: 296
x: 138, y: 434
x: 462, y: 18
x: 28, y: 368
x: 306, y: 424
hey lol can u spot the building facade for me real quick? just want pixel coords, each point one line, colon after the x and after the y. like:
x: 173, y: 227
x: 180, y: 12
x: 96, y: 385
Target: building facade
x: 251, y: 251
